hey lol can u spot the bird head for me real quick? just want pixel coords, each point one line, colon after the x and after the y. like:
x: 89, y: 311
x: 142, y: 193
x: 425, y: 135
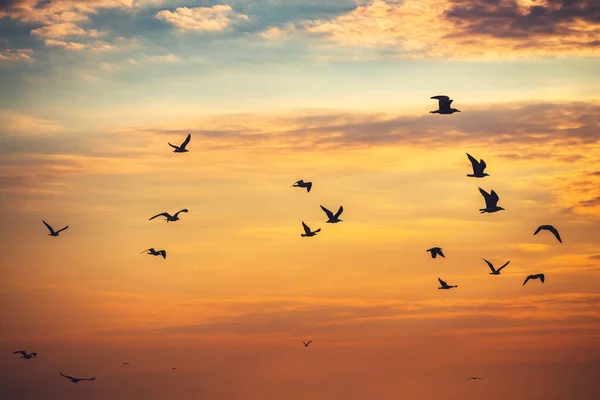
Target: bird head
x: 500, y: 208
x: 454, y: 110
x: 486, y: 174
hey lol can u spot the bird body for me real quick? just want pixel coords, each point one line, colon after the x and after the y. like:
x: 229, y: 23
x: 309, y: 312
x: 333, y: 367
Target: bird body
x: 445, y: 285
x: 444, y: 103
x: 491, y: 202
x: 435, y: 251
x: 169, y: 217
x: 52, y: 232
x: 125, y: 363
x: 181, y: 148
x: 308, y: 232
x: 541, y: 277
x: 333, y: 219
x: 75, y: 380
x: 549, y: 228
x: 25, y: 355
x: 307, y: 343
x: 153, y: 252
x: 475, y: 378
x: 302, y: 184
x: 494, y: 270
x: 478, y: 167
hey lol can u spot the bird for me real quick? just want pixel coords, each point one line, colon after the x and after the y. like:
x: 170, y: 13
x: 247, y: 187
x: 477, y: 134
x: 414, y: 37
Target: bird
x: 478, y: 168
x: 52, y: 232
x: 151, y: 250
x: 444, y: 105
x: 181, y: 148
x: 173, y: 368
x: 435, y: 251
x: 541, y: 277
x: 491, y: 202
x: 302, y: 184
x: 307, y: 343
x: 75, y: 380
x: 24, y: 354
x: 169, y: 217
x: 445, y: 285
x: 549, y: 228
x: 125, y: 363
x: 333, y: 219
x: 308, y: 231
x: 494, y: 270
x: 474, y: 378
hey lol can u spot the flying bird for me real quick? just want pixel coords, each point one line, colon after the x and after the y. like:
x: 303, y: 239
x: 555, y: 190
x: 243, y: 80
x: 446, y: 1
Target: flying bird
x: 125, y: 363
x: 444, y: 105
x: 173, y: 368
x: 494, y: 270
x: 306, y: 344
x: 25, y: 355
x: 302, y: 184
x: 435, y: 251
x: 308, y: 232
x: 491, y: 202
x: 75, y: 380
x: 333, y: 218
x: 182, y: 149
x: 541, y: 277
x: 169, y: 217
x: 52, y: 232
x: 445, y: 285
x: 151, y: 250
x: 478, y: 167
x: 549, y: 228
x: 474, y: 378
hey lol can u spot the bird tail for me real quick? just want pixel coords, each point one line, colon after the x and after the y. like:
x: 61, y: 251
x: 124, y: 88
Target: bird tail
x: 303, y: 235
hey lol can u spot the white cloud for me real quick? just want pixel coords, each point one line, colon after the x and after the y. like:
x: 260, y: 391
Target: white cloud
x: 215, y: 18
x: 16, y: 54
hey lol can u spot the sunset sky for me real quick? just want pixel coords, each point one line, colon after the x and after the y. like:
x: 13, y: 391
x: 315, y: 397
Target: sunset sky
x: 336, y: 92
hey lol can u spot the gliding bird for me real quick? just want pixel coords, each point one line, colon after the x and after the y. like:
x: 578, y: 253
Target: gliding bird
x: 333, y: 218
x: 306, y: 344
x: 125, y: 363
x: 478, y: 168
x: 151, y: 250
x: 549, y: 228
x: 541, y: 277
x: 308, y: 231
x: 75, y: 380
x: 444, y: 105
x: 445, y: 285
x: 52, y: 232
x: 182, y: 149
x: 491, y: 202
x: 25, y: 355
x: 494, y: 270
x: 474, y: 378
x: 435, y: 251
x: 169, y: 217
x: 302, y: 184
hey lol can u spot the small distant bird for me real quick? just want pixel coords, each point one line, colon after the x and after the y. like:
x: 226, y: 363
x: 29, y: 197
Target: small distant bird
x: 125, y: 363
x: 308, y: 232
x: 333, y: 219
x: 169, y: 217
x: 173, y: 368
x: 548, y: 228
x: 25, y: 355
x: 478, y: 167
x: 491, y: 202
x: 541, y: 277
x: 75, y: 380
x: 306, y: 344
x: 474, y: 378
x: 182, y: 149
x: 435, y: 251
x: 445, y: 285
x: 495, y: 271
x: 444, y: 105
x: 302, y: 184
x: 52, y: 232
x: 151, y: 250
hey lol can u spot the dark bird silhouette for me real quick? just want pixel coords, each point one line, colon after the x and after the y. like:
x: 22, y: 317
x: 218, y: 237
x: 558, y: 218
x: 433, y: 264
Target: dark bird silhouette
x: 75, y: 380
x: 333, y: 219
x: 495, y: 271
x: 549, y: 228
x: 491, y: 202
x: 169, y: 217
x: 173, y: 368
x: 308, y: 232
x: 24, y: 354
x: 541, y: 277
x: 435, y: 251
x: 474, y: 378
x: 182, y: 149
x: 444, y: 103
x: 153, y: 252
x: 478, y: 168
x: 125, y: 363
x: 302, y: 184
x: 52, y: 232
x: 307, y: 343
x: 445, y: 285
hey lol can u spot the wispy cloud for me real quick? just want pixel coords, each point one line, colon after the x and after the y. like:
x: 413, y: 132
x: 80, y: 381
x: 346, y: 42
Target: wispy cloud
x: 16, y: 54
x: 202, y: 19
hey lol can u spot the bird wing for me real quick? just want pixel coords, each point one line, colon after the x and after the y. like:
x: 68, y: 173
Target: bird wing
x: 309, y: 342
x: 339, y: 212
x: 180, y: 211
x: 541, y: 277
x: 555, y: 232
x: 500, y: 269
x: 306, y: 228
x: 443, y: 101
x: 439, y: 251
x: 48, y: 226
x: 60, y: 230
x: 473, y: 162
x: 173, y: 146
x: 442, y: 282
x: 308, y: 186
x: 538, y: 230
x: 494, y: 198
x: 482, y: 164
x: 20, y: 352
x: 166, y: 214
x: 87, y: 379
x: 526, y: 279
x: 329, y: 213
x: 485, y: 195
x: 318, y: 230
x: 67, y: 376
x: 186, y: 141
x: 303, y: 343
x: 147, y: 250
x: 163, y: 253
x: 489, y: 265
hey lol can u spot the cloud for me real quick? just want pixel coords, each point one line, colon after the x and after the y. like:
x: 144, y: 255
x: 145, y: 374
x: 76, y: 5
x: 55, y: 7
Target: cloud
x: 595, y: 202
x: 215, y: 18
x: 65, y: 29
x: 16, y: 54
x: 164, y: 58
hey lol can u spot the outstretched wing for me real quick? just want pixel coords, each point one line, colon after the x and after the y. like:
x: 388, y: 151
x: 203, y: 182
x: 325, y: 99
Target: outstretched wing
x: 473, y: 162
x: 439, y: 251
x: 443, y: 101
x: 165, y: 214
x: 163, y: 253
x: 20, y: 352
x: 339, y: 212
x: 555, y: 232
x: 485, y: 195
x: 494, y: 198
x: 48, y: 226
x: 180, y: 211
x: 60, y: 230
x: 308, y: 186
x: 538, y: 230
x: 541, y: 276
x: 150, y: 249
x: 500, y: 269
x: 67, y: 376
x: 87, y: 379
x: 490, y: 265
x: 442, y: 282
x: 309, y: 342
x: 186, y: 141
x: 173, y: 146
x: 329, y: 213
x: 527, y: 279
x: 306, y: 228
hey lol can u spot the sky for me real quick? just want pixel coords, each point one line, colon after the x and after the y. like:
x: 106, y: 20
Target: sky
x: 335, y: 92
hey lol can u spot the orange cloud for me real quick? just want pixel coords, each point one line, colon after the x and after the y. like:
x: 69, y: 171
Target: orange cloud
x: 16, y: 54
x: 215, y: 18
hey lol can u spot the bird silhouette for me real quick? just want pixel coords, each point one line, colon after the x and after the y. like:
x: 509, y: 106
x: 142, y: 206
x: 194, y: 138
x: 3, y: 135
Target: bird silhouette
x: 444, y: 103
x: 181, y: 148
x: 75, y: 380
x: 302, y: 184
x: 307, y: 343
x: 435, y: 251
x: 153, y: 252
x: 125, y: 363
x: 25, y: 355
x: 541, y: 277
x: 308, y: 232
x: 333, y: 219
x: 52, y: 232
x: 445, y: 285
x: 474, y: 378
x: 549, y: 228
x: 495, y: 271
x: 491, y: 202
x: 478, y: 167
x: 169, y: 217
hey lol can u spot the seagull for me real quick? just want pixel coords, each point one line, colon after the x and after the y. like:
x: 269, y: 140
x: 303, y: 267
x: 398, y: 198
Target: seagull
x: 302, y: 184
x: 444, y: 105
x: 25, y: 355
x: 549, y: 228
x: 169, y: 217
x: 125, y: 363
x: 151, y: 250
x: 52, y: 232
x: 173, y: 368
x: 478, y: 168
x: 306, y: 344
x: 494, y: 270
x: 333, y: 218
x: 435, y: 251
x: 541, y: 277
x: 308, y: 231
x: 445, y: 285
x: 182, y: 149
x: 474, y: 378
x: 75, y: 380
x: 491, y: 202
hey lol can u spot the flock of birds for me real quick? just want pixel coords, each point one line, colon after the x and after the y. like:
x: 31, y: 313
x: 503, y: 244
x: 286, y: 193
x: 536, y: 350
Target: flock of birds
x: 491, y: 206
